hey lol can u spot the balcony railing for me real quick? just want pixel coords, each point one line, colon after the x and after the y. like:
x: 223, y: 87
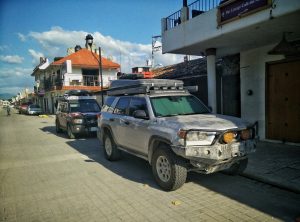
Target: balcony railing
x: 196, y: 8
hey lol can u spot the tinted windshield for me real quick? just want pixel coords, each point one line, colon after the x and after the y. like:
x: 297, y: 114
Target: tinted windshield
x: 84, y: 106
x: 177, y: 105
x: 35, y: 106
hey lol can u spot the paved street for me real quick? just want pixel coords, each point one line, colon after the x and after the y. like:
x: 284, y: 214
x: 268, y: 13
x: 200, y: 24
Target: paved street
x: 48, y: 177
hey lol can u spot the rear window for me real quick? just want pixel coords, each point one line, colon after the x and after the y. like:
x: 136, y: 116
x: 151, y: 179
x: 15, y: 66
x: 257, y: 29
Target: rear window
x: 122, y: 106
x: 107, y: 107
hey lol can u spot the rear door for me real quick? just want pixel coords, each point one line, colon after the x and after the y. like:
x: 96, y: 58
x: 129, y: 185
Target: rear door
x: 137, y: 130
x: 118, y: 121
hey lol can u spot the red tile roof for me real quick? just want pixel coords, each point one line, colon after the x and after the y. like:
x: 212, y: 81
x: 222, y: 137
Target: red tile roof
x: 85, y: 58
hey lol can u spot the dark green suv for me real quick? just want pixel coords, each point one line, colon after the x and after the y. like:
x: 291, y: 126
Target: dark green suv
x: 77, y: 114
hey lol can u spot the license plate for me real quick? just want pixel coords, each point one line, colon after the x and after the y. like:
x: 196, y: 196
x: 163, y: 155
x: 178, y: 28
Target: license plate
x: 93, y: 129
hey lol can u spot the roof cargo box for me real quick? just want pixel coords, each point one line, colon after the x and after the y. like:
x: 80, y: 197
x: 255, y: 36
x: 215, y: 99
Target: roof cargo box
x: 142, y: 86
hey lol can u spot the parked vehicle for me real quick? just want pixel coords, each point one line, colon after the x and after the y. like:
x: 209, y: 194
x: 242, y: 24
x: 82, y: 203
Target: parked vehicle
x: 23, y: 107
x: 34, y: 109
x: 77, y: 113
x: 161, y: 122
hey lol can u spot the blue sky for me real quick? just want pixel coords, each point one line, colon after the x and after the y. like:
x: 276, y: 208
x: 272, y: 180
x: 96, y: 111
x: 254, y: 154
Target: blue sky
x: 33, y: 28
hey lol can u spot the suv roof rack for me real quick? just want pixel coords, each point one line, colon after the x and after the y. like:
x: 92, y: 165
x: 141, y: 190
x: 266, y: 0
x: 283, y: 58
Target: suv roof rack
x: 78, y: 93
x: 145, y: 86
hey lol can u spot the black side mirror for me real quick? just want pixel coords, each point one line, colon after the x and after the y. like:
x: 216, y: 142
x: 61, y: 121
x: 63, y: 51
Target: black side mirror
x: 140, y: 114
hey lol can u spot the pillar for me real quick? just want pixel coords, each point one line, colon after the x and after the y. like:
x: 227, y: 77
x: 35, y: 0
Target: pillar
x: 211, y: 78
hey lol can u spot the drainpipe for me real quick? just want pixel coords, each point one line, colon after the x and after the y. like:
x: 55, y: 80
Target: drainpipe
x: 211, y: 78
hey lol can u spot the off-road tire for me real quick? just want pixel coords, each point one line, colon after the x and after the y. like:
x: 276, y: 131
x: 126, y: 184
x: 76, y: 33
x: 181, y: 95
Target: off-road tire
x: 57, y: 127
x: 237, y: 168
x: 111, y: 152
x: 174, y: 166
x: 71, y: 135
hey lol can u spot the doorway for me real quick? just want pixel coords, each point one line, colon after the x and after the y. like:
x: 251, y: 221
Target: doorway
x: 283, y: 101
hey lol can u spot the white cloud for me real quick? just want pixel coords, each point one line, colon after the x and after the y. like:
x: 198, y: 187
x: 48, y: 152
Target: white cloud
x: 22, y: 37
x: 35, y: 56
x: 13, y: 80
x: 56, y: 41
x: 15, y: 72
x: 3, y: 47
x: 13, y: 59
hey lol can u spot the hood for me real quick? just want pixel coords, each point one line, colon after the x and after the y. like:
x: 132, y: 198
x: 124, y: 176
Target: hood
x: 205, y: 121
x: 90, y: 114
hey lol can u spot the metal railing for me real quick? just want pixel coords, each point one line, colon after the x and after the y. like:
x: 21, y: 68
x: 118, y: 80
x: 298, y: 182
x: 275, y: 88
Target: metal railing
x: 173, y: 20
x: 90, y: 80
x: 196, y: 8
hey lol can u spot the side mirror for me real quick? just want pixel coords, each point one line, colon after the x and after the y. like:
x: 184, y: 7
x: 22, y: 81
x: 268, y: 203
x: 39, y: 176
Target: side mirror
x: 140, y: 114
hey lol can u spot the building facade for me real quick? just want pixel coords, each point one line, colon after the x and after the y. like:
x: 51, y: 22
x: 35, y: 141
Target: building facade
x: 266, y: 35
x: 77, y: 71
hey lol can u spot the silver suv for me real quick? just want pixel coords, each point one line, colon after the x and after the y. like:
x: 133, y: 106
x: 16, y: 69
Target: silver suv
x: 160, y: 121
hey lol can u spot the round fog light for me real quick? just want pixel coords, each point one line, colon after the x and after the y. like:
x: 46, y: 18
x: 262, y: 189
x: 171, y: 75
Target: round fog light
x: 245, y: 134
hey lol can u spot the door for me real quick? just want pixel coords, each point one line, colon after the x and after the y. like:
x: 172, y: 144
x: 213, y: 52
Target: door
x: 137, y: 130
x: 283, y: 101
x: 62, y: 114
x: 118, y: 121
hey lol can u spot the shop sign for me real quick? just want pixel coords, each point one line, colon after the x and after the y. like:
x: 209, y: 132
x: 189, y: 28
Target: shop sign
x: 232, y: 10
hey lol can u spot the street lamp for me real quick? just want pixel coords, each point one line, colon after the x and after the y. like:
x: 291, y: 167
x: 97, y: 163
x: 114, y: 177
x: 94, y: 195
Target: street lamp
x: 89, y: 41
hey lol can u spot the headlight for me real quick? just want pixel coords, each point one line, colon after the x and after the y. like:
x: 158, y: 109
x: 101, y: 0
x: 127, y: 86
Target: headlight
x: 197, y: 138
x: 229, y: 137
x: 77, y: 121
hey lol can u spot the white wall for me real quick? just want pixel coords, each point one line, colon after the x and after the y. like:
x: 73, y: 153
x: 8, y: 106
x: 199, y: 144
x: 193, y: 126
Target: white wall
x: 253, y: 74
x: 108, y: 75
x: 76, y: 75
x: 202, y: 32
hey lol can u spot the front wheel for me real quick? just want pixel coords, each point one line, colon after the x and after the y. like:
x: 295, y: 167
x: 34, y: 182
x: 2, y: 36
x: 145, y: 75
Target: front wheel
x: 111, y: 151
x: 169, y: 170
x: 57, y: 127
x: 71, y: 135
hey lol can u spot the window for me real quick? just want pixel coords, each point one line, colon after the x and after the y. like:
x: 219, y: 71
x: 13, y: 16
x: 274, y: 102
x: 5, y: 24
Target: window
x: 137, y: 104
x: 122, y: 106
x: 63, y: 107
x: 177, y: 105
x: 90, y: 77
x: 108, y: 103
x: 84, y: 106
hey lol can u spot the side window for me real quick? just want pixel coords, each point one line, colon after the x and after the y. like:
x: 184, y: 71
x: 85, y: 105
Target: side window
x: 64, y: 107
x: 107, y: 104
x: 121, y: 106
x: 137, y: 104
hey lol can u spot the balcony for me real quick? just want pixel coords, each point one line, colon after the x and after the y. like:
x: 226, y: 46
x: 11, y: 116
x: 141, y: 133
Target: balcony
x: 194, y: 9
x: 230, y: 27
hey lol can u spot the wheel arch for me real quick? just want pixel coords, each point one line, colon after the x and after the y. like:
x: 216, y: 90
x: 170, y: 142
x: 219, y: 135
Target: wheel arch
x: 107, y: 128
x: 154, y: 143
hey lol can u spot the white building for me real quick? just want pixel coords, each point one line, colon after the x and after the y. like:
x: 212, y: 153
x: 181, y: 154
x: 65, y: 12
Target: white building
x: 77, y: 71
x: 266, y: 34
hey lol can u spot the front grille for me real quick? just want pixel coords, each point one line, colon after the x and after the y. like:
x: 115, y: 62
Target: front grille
x: 91, y: 121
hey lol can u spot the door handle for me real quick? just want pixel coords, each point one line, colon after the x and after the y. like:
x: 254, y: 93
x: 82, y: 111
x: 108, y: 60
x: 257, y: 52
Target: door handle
x: 126, y: 122
x: 111, y: 119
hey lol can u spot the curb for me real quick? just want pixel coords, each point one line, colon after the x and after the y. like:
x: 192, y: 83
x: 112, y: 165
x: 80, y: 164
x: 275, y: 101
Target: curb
x: 271, y: 182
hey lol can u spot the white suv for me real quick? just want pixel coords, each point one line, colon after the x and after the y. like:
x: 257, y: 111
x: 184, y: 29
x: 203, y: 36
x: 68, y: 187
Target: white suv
x: 160, y: 121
